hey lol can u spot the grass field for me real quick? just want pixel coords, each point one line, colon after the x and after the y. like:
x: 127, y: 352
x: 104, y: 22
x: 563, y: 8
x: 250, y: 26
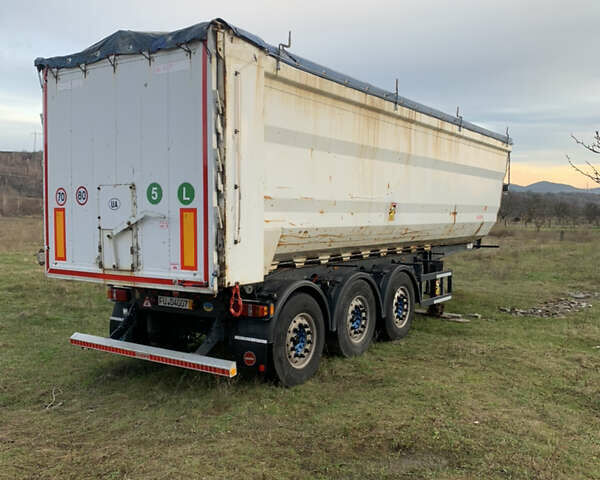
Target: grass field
x: 501, y: 397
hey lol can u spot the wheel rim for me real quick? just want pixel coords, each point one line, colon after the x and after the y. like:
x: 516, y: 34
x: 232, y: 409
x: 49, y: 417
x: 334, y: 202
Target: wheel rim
x: 401, y: 307
x: 357, y: 319
x: 300, y: 340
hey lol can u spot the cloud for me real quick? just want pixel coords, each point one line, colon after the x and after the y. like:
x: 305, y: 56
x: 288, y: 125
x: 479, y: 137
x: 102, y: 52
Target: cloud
x: 527, y: 65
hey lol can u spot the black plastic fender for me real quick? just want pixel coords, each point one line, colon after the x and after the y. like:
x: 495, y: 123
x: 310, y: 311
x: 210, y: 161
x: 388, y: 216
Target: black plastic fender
x: 387, y: 280
x: 283, y: 289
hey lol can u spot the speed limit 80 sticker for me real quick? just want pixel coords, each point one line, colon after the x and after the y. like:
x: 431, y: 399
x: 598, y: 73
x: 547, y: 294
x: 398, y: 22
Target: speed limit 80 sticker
x: 81, y: 195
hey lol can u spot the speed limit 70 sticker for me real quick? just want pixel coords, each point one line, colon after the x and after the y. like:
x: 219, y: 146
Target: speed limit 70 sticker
x: 81, y: 195
x: 61, y: 196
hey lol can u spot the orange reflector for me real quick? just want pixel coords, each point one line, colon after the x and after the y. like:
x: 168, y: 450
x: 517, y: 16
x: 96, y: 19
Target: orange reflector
x: 60, y: 241
x: 188, y: 226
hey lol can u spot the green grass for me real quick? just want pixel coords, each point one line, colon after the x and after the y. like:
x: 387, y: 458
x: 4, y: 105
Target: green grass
x: 501, y: 397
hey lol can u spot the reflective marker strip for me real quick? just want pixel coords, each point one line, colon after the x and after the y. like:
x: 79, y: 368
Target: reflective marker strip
x: 60, y: 241
x: 153, y: 357
x: 442, y: 299
x: 188, y: 227
x: 250, y: 339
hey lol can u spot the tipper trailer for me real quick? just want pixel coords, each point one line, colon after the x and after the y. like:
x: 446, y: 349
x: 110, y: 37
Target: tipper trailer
x: 231, y: 194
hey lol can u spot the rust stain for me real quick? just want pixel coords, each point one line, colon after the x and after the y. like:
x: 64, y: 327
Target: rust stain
x: 269, y: 220
x: 453, y: 213
x: 478, y: 228
x: 268, y: 197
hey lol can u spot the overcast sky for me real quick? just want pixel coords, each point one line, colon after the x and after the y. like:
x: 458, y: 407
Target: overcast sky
x: 529, y: 65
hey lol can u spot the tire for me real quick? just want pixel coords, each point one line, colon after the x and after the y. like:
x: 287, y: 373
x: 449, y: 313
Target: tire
x: 299, y: 327
x: 355, y: 319
x: 399, y: 308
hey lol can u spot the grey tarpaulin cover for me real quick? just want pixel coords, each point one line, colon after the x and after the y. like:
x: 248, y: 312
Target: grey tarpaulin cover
x: 127, y: 42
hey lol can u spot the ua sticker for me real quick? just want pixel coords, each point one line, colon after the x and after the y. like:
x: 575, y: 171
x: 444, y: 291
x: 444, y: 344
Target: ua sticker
x: 185, y: 193
x: 154, y: 193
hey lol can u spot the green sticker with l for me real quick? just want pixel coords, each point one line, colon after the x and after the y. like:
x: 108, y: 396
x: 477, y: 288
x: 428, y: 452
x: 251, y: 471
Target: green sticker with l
x: 185, y: 193
x: 154, y: 193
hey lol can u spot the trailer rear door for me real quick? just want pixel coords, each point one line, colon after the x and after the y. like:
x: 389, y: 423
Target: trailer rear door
x: 128, y: 171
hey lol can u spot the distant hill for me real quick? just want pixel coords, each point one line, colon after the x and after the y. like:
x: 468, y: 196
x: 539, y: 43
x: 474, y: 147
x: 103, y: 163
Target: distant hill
x: 550, y: 187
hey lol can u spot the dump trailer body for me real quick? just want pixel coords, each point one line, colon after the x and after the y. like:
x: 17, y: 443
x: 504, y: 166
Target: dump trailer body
x: 205, y: 166
x: 229, y: 191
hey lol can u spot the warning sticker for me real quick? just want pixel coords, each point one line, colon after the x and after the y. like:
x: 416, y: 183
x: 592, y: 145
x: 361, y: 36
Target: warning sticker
x: 249, y: 358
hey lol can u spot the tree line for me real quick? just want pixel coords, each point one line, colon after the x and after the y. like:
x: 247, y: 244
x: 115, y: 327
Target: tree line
x: 547, y: 209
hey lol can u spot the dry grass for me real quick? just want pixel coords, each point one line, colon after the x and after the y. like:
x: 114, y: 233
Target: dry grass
x: 20, y: 234
x: 500, y: 397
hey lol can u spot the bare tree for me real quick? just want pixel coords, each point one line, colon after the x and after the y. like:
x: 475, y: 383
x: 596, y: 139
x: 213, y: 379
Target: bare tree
x: 594, y: 147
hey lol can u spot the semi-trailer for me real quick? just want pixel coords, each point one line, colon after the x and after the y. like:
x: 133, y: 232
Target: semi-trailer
x: 231, y: 193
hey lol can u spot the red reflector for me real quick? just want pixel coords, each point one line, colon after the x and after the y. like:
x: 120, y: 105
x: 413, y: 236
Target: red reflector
x: 261, y: 368
x: 118, y: 294
x: 249, y: 358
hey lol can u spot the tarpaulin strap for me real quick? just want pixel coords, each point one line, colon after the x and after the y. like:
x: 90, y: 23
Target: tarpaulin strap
x: 235, y: 303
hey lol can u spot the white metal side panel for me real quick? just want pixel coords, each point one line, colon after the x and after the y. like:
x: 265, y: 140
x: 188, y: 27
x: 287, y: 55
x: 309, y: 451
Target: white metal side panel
x: 244, y: 237
x: 346, y: 172
x: 140, y: 124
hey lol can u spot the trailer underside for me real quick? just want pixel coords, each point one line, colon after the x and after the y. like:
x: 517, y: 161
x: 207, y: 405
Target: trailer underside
x: 242, y: 324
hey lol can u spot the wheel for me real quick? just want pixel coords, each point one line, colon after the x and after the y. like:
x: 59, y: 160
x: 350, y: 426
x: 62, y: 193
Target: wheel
x: 400, y: 307
x: 355, y: 317
x: 298, y: 340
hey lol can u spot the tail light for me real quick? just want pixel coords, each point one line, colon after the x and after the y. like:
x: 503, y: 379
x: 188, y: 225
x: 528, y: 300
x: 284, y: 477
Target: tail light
x: 257, y: 310
x: 118, y: 294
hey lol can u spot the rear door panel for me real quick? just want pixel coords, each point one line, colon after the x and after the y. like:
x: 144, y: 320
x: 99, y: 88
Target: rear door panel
x: 137, y: 136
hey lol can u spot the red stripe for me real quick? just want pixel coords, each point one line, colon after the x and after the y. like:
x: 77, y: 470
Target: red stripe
x: 117, y: 277
x: 45, y: 107
x: 205, y: 155
x: 153, y: 358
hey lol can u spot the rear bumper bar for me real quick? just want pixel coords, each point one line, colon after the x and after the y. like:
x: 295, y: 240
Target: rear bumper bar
x: 216, y: 366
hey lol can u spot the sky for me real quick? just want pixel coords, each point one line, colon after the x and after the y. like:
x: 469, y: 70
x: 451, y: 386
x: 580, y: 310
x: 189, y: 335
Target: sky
x: 529, y: 65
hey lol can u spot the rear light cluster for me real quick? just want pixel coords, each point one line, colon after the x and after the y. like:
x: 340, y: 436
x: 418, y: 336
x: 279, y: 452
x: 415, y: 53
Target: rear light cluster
x: 118, y: 294
x: 256, y: 310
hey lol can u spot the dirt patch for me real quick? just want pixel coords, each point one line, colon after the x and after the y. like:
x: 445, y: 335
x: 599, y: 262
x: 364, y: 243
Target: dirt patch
x: 559, y: 307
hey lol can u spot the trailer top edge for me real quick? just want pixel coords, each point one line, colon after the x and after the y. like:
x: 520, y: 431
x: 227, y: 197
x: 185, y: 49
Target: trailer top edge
x: 127, y: 42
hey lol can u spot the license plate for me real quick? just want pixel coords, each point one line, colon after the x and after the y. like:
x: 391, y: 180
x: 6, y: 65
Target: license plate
x: 175, y: 302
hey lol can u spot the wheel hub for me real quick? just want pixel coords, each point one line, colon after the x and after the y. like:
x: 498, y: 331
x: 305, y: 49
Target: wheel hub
x: 357, y: 319
x: 300, y: 340
x: 401, y: 307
